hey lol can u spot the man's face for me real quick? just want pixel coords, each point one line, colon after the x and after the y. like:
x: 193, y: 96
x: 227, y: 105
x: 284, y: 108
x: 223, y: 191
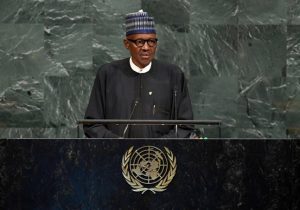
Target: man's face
x: 141, y: 55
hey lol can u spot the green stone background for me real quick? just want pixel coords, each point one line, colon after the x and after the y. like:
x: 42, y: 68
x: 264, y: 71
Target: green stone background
x: 241, y: 58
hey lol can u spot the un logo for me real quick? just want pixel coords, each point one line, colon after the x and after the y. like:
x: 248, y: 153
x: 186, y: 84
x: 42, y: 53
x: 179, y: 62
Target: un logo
x: 148, y: 168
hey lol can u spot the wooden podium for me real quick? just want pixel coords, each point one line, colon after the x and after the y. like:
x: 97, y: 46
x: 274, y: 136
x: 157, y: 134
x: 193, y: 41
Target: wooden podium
x: 149, y: 174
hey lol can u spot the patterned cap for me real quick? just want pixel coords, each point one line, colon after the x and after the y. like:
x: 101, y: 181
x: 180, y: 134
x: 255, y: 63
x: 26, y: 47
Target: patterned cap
x: 139, y: 23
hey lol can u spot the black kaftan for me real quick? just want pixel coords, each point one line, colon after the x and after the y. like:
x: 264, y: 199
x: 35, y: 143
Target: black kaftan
x: 121, y: 93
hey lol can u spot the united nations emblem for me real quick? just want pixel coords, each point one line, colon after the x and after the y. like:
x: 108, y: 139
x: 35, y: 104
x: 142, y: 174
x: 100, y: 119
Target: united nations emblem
x: 148, y: 168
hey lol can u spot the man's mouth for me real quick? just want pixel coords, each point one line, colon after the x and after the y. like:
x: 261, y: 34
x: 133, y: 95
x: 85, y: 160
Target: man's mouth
x: 145, y: 56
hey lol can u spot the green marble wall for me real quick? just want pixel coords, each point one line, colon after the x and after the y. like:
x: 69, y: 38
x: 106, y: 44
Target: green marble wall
x: 241, y: 57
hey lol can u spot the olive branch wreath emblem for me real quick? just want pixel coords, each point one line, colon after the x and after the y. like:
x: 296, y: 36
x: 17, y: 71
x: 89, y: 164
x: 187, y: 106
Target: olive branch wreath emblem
x: 136, y: 185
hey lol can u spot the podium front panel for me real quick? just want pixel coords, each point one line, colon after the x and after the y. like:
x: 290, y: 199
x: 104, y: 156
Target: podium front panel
x: 149, y: 174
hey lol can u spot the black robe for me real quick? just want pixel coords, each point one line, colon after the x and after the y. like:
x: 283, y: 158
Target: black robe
x: 121, y: 93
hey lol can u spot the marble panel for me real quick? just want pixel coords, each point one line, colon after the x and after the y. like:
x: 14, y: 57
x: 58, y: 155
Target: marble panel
x: 22, y: 67
x: 210, y: 132
x: 293, y: 51
x: 173, y: 13
x: 22, y: 11
x: 46, y: 132
x: 264, y: 12
x: 213, y: 12
x: 21, y: 105
x: 173, y: 47
x: 109, y: 29
x: 262, y: 105
x: 21, y: 38
x: 107, y: 48
x: 293, y: 107
x: 67, y: 97
x: 262, y: 133
x: 30, y: 132
x: 109, y: 8
x: 293, y: 12
x: 66, y: 12
x: 215, y: 99
x: 70, y: 45
x: 262, y: 82
x: 262, y: 51
x: 108, y: 16
x: 213, y: 50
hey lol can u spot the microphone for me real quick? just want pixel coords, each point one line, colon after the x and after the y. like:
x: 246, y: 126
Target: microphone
x: 131, y: 114
x: 175, y: 109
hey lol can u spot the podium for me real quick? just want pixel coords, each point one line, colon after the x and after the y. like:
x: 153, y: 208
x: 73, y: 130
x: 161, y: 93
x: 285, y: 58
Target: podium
x: 91, y: 174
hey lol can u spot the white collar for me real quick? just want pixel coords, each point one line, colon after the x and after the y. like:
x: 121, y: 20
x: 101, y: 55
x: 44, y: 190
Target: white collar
x: 138, y: 69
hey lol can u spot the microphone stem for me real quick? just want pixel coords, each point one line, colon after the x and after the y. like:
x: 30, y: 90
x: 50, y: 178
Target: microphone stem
x: 131, y: 114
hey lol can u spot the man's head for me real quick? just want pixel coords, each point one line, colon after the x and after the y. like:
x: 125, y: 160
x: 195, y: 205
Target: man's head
x: 141, y: 38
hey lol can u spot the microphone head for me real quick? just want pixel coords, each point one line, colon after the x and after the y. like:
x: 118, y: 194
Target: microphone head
x: 175, y: 88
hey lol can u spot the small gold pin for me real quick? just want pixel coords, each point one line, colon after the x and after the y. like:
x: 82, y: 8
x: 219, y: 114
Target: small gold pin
x: 150, y: 93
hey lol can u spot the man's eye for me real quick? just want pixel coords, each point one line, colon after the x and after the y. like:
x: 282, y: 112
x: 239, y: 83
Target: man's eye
x: 139, y: 41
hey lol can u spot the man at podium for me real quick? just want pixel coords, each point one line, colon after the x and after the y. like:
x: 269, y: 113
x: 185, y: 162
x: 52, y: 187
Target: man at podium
x: 139, y: 87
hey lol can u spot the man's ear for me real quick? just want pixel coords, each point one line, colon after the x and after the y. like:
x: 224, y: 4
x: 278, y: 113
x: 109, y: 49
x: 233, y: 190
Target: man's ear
x: 126, y: 43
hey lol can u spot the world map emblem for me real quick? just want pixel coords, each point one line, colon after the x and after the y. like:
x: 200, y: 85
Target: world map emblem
x: 148, y: 168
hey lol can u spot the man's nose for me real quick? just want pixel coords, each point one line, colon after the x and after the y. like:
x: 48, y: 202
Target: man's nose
x: 146, y: 46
